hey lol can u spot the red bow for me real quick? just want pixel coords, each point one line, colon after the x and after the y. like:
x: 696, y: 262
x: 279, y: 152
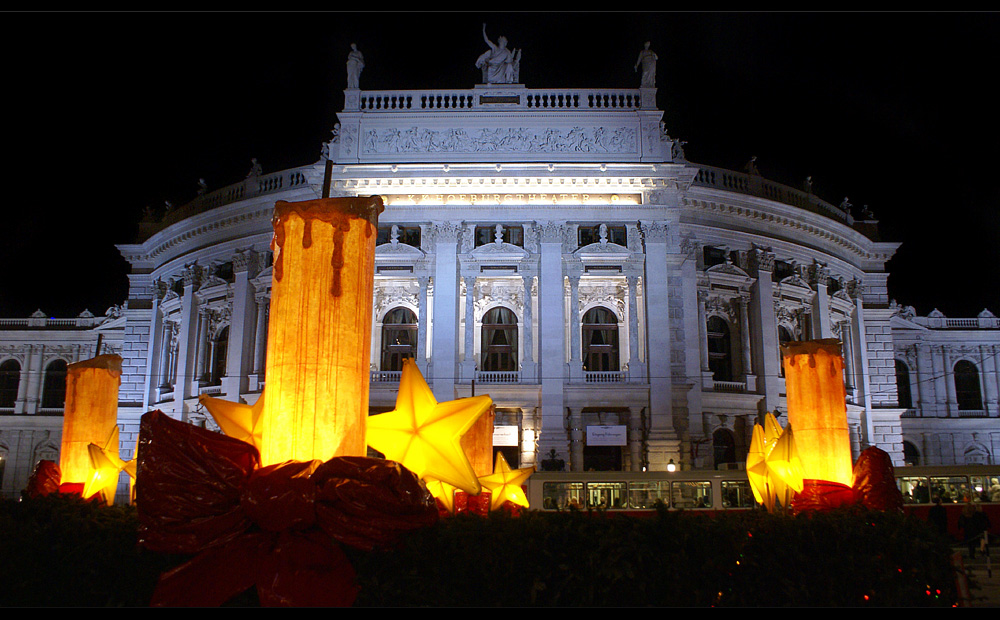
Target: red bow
x: 276, y: 528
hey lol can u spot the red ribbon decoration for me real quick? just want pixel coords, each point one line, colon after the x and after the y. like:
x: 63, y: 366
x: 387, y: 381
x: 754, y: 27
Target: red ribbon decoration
x: 276, y: 528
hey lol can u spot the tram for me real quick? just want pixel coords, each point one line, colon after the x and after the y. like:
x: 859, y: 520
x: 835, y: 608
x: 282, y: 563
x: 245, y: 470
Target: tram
x: 638, y: 493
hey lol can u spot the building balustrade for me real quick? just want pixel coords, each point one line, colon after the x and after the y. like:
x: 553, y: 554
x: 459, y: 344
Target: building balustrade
x: 498, y: 376
x: 514, y: 98
x: 614, y: 376
x: 210, y: 390
x: 735, y: 387
x: 973, y: 413
x: 385, y: 376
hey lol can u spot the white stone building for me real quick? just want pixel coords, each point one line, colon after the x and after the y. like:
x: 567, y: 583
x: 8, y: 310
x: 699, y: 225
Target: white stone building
x: 552, y: 248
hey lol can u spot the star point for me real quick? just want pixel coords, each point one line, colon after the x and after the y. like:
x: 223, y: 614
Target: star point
x: 505, y: 483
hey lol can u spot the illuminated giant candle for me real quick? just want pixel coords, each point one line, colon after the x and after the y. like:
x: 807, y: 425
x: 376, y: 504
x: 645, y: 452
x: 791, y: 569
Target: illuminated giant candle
x: 91, y: 414
x: 817, y: 409
x: 319, y: 335
x: 478, y: 443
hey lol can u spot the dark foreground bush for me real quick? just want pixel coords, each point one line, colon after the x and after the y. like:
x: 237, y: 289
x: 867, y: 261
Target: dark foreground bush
x: 60, y: 551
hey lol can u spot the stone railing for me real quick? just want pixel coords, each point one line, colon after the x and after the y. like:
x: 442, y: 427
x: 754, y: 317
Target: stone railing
x: 515, y: 97
x: 498, y: 376
x: 756, y: 185
x: 385, y: 376
x: 249, y: 187
x: 614, y: 376
x: 973, y: 413
x: 940, y: 322
x: 735, y: 387
x: 82, y: 322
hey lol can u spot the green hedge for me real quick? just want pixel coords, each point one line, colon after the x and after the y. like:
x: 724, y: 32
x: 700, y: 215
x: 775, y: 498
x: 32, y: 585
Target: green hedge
x: 61, y: 551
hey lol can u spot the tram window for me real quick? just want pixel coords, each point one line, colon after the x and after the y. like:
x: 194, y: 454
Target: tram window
x: 986, y: 489
x: 647, y: 494
x: 606, y: 494
x: 914, y: 489
x: 954, y: 489
x: 737, y: 494
x: 691, y: 494
x: 562, y: 495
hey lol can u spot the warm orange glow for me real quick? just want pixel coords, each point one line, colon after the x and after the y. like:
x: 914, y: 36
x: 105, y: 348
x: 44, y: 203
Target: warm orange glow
x: 237, y: 420
x: 318, y: 343
x: 478, y: 443
x: 106, y: 466
x: 773, y: 465
x: 424, y: 435
x: 91, y: 413
x: 817, y: 409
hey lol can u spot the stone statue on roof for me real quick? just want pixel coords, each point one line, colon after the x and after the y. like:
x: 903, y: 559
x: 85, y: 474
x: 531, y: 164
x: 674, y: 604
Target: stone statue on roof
x: 647, y: 58
x: 499, y: 64
x: 355, y: 63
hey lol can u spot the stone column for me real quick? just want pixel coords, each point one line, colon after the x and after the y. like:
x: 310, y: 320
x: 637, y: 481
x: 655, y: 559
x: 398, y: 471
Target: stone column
x: 577, y: 438
x: 949, y: 382
x: 575, y: 335
x: 633, y: 328
x: 154, y: 354
x: 748, y: 375
x: 703, y: 331
x: 184, y: 384
x: 20, y: 403
x: 201, y: 353
x: 445, y: 346
x: 528, y: 346
x: 635, y: 438
x: 471, y: 362
x: 163, y: 367
x: 989, y: 383
x: 239, y: 349
x: 259, y: 343
x: 846, y: 341
x: 422, y: 281
x: 819, y: 274
x: 663, y: 439
x: 918, y: 380
x: 551, y: 342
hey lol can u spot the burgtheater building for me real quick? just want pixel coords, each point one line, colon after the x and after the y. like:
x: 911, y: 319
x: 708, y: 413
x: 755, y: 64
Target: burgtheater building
x: 555, y: 249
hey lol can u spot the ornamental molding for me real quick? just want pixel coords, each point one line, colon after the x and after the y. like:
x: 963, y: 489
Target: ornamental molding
x: 720, y: 305
x: 795, y: 280
x: 607, y: 293
x: 390, y: 294
x: 506, y: 292
x: 500, y: 140
x: 654, y: 232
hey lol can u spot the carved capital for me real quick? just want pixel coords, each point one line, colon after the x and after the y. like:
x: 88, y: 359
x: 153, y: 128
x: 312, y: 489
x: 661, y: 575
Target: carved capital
x: 192, y: 275
x: 245, y: 260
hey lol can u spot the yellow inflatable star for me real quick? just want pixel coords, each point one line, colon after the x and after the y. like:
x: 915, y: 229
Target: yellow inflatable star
x: 773, y: 465
x: 237, y: 420
x: 442, y: 491
x: 505, y: 483
x: 424, y: 435
x: 106, y: 466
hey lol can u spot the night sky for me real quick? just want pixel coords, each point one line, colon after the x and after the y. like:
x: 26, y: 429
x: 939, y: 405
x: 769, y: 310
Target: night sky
x: 107, y: 113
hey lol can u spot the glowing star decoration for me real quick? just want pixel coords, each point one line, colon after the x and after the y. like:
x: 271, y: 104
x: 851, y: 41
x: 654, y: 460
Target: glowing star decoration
x: 505, y: 483
x: 107, y: 466
x: 424, y: 435
x: 817, y: 409
x: 773, y: 466
x: 237, y: 420
x: 443, y: 492
x: 91, y: 413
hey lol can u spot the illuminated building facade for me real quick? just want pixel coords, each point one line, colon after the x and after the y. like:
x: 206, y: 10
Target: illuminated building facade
x: 552, y: 248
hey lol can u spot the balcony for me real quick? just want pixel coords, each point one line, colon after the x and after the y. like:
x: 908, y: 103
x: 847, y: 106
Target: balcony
x: 385, y: 376
x: 973, y: 413
x: 615, y: 376
x: 498, y: 376
x: 732, y: 387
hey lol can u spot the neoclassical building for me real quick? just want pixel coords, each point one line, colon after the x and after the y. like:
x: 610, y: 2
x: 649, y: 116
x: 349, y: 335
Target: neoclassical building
x: 552, y: 248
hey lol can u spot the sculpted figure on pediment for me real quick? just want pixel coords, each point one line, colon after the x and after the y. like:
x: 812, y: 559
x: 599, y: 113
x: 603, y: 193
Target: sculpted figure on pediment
x: 499, y: 64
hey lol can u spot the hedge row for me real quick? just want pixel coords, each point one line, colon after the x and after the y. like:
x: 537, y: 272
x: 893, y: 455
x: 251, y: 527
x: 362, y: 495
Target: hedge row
x: 61, y: 551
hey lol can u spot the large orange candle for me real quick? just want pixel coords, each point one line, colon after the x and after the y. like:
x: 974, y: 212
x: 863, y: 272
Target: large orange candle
x: 478, y: 443
x: 817, y: 409
x: 91, y: 413
x: 318, y: 343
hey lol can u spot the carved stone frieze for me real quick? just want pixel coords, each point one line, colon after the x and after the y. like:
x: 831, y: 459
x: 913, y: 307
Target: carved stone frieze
x: 395, y: 292
x: 505, y: 292
x: 595, y: 139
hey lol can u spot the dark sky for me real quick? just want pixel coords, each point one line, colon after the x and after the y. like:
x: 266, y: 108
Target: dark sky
x: 109, y: 112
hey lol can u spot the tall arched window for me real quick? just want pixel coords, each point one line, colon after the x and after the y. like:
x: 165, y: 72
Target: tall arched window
x: 967, y: 391
x: 905, y: 400
x: 911, y: 456
x: 600, y: 340
x: 399, y: 338
x: 720, y: 357
x: 54, y: 385
x: 499, y: 340
x: 10, y: 378
x: 220, y: 348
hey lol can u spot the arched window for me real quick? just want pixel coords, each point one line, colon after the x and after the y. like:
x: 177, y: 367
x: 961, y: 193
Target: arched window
x: 967, y: 386
x: 399, y: 338
x: 54, y: 385
x: 220, y: 347
x: 911, y: 456
x: 723, y: 447
x: 10, y: 378
x: 784, y: 337
x: 600, y: 340
x: 499, y: 340
x: 720, y: 358
x: 903, y: 385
